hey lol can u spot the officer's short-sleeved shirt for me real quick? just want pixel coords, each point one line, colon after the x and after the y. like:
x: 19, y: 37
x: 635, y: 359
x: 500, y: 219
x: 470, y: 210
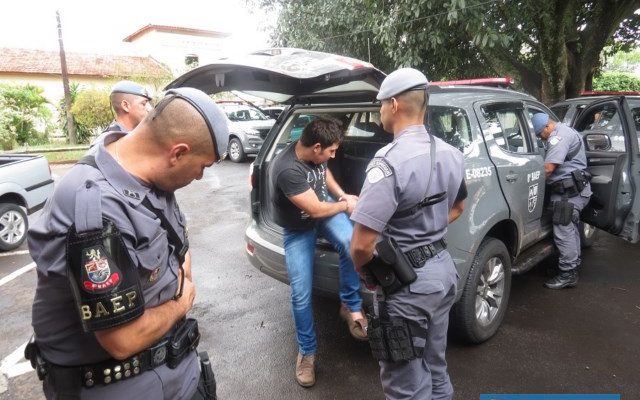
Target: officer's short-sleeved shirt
x: 562, y: 141
x: 397, y: 179
x: 292, y: 176
x: 113, y: 193
x: 113, y: 127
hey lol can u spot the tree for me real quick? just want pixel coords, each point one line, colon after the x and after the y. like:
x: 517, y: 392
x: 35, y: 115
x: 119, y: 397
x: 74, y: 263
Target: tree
x: 91, y: 110
x: 29, y: 114
x: 552, y: 46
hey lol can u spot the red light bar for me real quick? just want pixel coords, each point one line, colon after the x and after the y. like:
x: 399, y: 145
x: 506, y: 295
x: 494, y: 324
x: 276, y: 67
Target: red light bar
x: 497, y: 82
x: 607, y: 93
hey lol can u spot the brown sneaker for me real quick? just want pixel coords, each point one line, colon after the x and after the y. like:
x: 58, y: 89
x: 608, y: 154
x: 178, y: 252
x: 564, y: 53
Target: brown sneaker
x: 305, y: 370
x: 357, y: 327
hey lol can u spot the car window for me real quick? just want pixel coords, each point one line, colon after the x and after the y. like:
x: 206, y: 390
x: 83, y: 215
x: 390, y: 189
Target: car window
x: 450, y: 124
x: 365, y: 125
x: 243, y: 113
x: 604, y: 119
x: 561, y: 111
x: 506, y: 129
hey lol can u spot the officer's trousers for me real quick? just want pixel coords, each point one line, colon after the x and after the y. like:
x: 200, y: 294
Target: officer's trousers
x: 427, y: 301
x: 567, y: 237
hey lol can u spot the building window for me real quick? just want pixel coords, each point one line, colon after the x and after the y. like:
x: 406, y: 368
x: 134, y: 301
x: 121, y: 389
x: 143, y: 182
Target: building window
x: 191, y: 61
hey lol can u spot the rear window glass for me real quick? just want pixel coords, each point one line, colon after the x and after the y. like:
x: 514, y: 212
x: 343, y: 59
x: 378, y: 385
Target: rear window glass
x: 561, y: 111
x: 450, y: 124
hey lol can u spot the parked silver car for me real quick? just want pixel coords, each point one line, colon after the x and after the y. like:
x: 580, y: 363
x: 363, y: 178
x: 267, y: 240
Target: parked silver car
x: 505, y: 227
x: 248, y: 126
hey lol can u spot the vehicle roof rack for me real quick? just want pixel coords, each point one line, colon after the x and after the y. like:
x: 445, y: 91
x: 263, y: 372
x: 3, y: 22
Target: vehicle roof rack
x: 504, y: 82
x: 607, y: 93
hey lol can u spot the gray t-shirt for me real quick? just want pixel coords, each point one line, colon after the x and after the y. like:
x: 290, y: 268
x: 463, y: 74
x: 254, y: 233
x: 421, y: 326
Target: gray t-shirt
x: 292, y: 176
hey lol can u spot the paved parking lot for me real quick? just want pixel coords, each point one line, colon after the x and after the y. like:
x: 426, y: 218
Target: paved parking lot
x: 584, y: 340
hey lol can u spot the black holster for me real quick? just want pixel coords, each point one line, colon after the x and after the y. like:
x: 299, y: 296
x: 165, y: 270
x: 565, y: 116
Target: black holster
x: 562, y: 212
x: 66, y: 381
x: 207, y: 384
x: 183, y: 341
x: 391, y: 268
x: 581, y: 178
x: 391, y: 338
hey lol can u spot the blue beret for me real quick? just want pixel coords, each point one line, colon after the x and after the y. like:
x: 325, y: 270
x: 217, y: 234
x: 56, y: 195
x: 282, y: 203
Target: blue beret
x: 539, y: 120
x: 400, y: 81
x: 131, y: 88
x: 215, y: 119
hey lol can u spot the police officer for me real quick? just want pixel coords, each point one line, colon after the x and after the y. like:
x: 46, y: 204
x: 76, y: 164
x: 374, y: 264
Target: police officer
x: 114, y: 271
x: 131, y: 102
x: 414, y: 187
x: 565, y: 166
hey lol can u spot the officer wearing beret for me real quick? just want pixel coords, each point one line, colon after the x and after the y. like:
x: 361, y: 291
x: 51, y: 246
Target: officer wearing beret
x: 131, y: 102
x: 413, y: 188
x: 565, y: 166
x: 114, y: 270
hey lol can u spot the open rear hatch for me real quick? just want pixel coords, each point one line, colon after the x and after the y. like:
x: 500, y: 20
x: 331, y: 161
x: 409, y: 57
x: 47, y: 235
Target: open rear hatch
x: 287, y: 75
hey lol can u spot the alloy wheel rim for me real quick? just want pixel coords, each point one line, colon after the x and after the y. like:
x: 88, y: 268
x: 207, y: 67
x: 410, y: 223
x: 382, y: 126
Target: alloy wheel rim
x: 490, y: 291
x: 234, y: 150
x: 12, y: 227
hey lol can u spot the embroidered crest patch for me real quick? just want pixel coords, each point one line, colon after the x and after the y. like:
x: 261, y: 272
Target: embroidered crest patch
x: 97, y: 274
x: 554, y: 140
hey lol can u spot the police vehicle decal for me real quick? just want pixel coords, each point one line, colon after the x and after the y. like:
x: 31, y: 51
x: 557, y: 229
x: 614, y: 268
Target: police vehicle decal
x: 477, y: 173
x: 533, y: 197
x: 533, y: 176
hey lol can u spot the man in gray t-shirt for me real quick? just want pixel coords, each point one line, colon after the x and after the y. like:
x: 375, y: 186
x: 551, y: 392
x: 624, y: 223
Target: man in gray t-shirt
x: 303, y: 206
x: 114, y: 271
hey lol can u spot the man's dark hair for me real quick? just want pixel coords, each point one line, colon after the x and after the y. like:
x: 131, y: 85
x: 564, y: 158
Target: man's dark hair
x: 324, y: 130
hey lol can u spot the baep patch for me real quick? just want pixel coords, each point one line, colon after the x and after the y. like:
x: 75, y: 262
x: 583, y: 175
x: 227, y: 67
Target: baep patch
x: 98, y: 273
x: 554, y: 140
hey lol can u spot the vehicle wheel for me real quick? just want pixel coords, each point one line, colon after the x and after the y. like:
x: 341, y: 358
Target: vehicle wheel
x: 236, y: 152
x: 479, y: 312
x: 588, y: 235
x: 13, y: 226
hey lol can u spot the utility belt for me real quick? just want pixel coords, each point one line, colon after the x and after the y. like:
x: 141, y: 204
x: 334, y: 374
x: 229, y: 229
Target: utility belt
x: 573, y: 186
x: 392, y: 269
x: 170, y: 351
x: 392, y: 339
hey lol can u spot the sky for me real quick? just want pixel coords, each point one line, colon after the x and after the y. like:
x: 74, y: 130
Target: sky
x: 100, y: 26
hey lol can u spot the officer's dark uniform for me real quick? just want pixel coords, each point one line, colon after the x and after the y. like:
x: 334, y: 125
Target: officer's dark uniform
x: 87, y: 287
x: 565, y: 148
x: 128, y: 87
x: 397, y: 180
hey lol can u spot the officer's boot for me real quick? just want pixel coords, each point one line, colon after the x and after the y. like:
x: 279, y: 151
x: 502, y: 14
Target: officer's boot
x: 565, y: 279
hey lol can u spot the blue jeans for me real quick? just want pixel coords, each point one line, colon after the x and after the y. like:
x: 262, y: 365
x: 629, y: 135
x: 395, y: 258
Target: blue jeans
x: 299, y: 254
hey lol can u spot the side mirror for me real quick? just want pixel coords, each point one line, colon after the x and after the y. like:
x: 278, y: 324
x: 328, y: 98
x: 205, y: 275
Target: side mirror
x: 597, y: 142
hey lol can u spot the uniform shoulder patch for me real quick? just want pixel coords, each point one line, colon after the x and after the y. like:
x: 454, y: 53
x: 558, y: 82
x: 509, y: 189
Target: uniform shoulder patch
x: 377, y: 169
x: 554, y: 140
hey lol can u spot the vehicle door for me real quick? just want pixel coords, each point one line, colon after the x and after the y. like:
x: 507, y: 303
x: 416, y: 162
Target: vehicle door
x: 518, y: 162
x: 610, y: 129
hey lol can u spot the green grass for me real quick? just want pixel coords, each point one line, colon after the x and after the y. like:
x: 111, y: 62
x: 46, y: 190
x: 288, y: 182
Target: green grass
x: 59, y: 157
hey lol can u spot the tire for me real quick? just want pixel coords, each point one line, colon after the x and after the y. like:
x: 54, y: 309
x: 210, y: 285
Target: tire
x: 588, y: 235
x: 478, y: 314
x: 236, y: 151
x: 13, y: 226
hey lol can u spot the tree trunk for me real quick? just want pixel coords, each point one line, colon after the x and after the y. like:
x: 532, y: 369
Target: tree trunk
x: 71, y: 126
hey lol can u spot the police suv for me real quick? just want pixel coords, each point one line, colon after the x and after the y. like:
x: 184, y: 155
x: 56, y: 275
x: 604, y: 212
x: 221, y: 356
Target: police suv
x: 505, y: 228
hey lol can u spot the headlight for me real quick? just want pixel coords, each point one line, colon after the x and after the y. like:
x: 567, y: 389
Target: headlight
x: 250, y: 131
